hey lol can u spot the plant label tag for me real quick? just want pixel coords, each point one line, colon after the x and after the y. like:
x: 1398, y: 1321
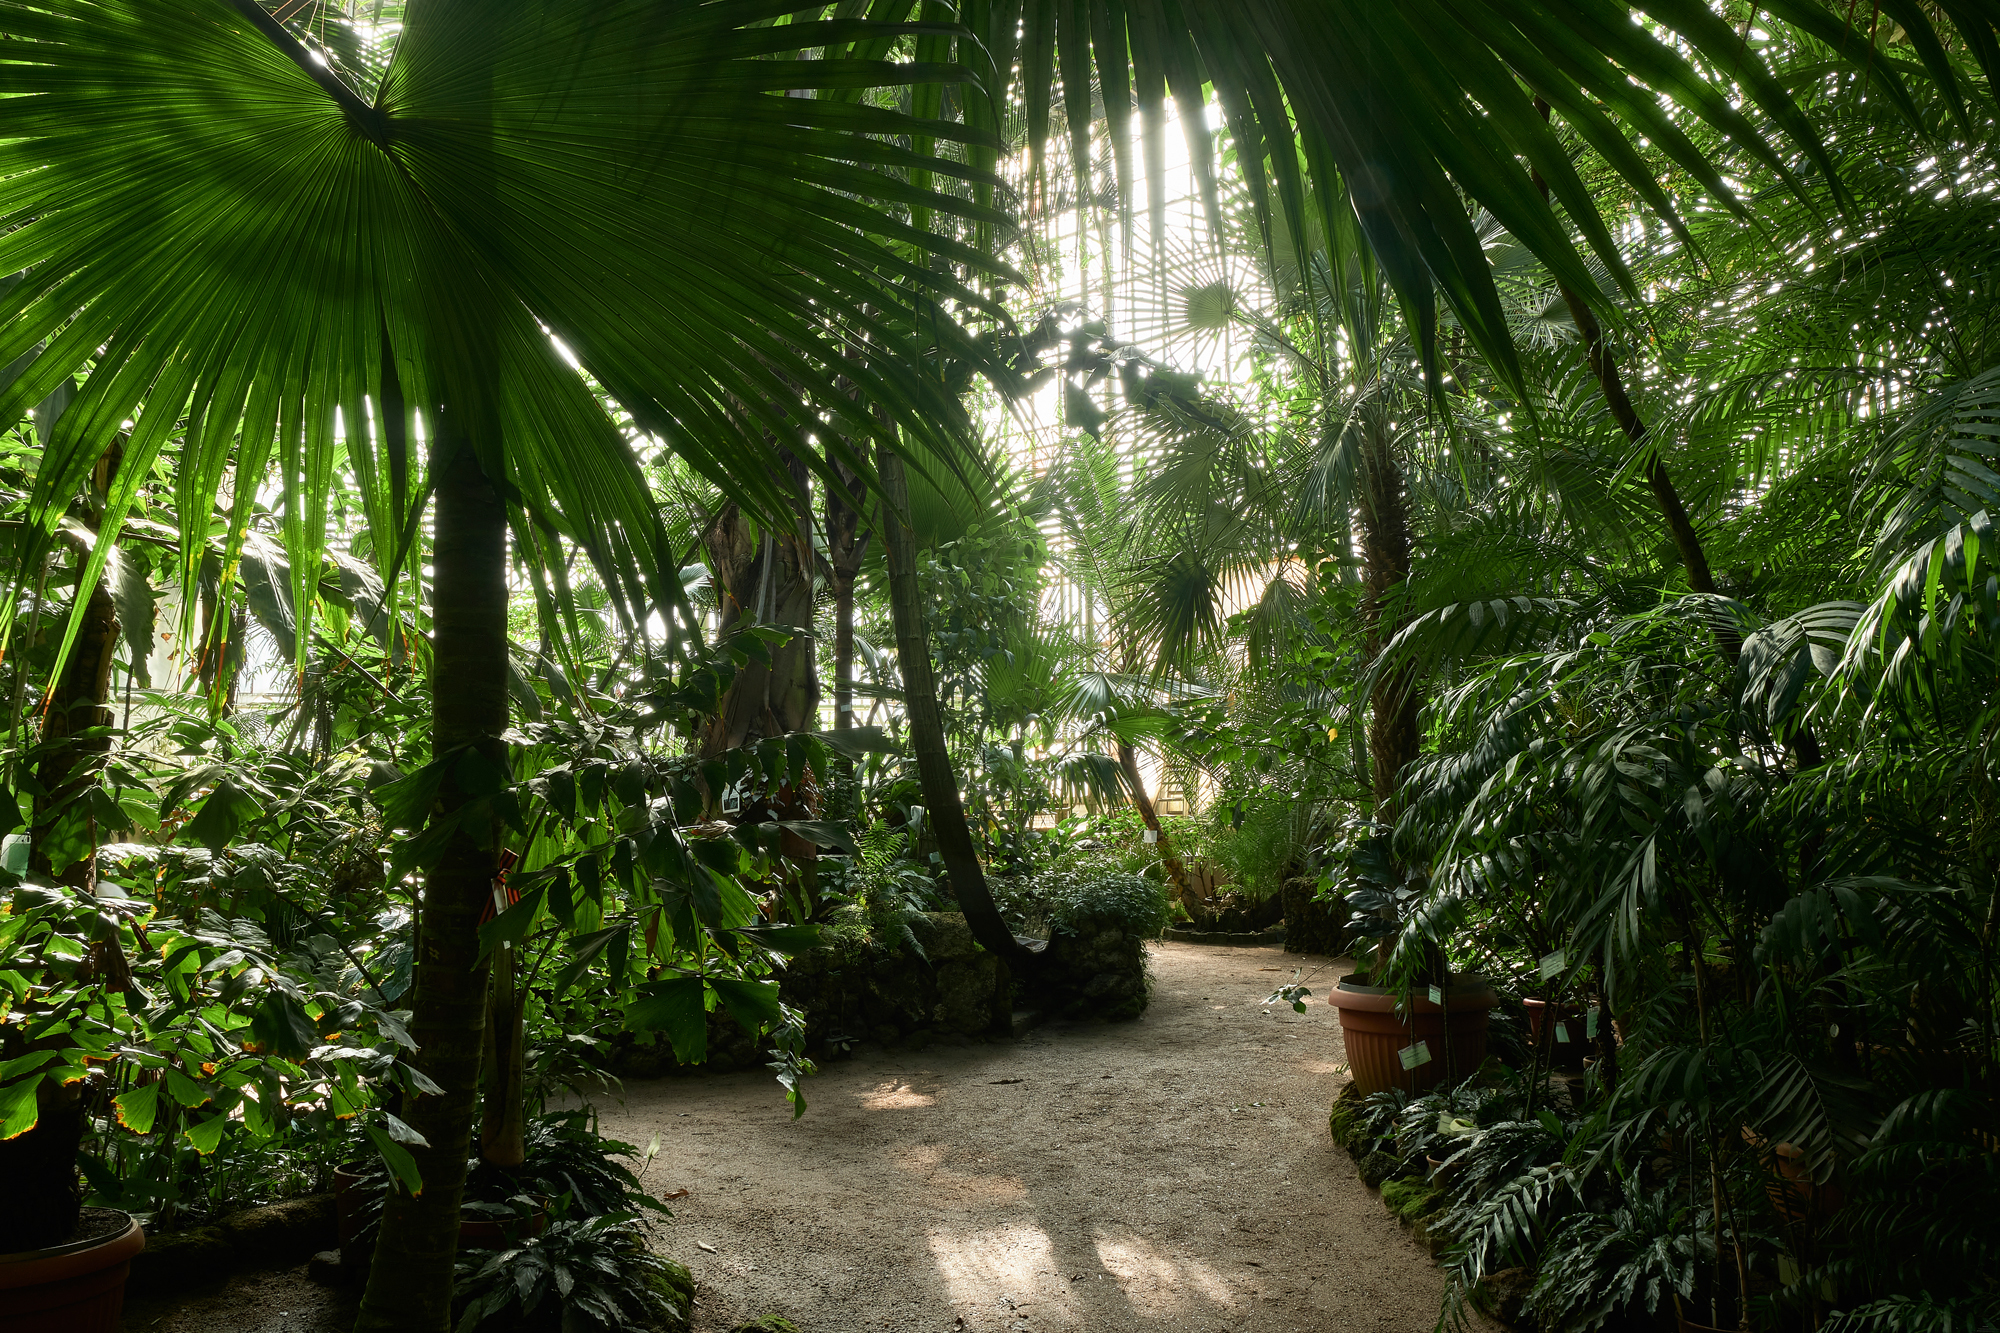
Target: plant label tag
x: 1152, y: 835
x: 1412, y: 1056
x: 1562, y: 1031
x: 1590, y: 1022
x: 1437, y: 996
x: 1552, y: 964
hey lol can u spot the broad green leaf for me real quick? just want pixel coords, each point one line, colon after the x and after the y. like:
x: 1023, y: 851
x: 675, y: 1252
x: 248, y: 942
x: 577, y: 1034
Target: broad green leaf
x: 675, y: 1006
x: 138, y: 1107
x: 754, y: 1004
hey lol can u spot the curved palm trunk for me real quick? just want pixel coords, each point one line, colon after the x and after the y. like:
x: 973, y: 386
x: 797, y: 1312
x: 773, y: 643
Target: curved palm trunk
x: 1128, y: 759
x: 920, y: 703
x: 409, y: 1287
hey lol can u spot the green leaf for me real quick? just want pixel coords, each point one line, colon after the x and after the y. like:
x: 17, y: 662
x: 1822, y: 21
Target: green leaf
x: 582, y: 954
x: 786, y: 939
x: 675, y: 1006
x: 754, y: 1004
x: 281, y: 1027
x: 138, y: 1108
x: 823, y: 832
x: 512, y: 926
x: 397, y: 1158
x: 206, y: 1135
x: 221, y: 816
x: 184, y: 1089
x: 19, y: 1111
x: 406, y: 802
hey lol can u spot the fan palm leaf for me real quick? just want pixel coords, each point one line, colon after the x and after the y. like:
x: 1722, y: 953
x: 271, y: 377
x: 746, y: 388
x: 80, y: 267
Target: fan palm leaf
x: 254, y: 270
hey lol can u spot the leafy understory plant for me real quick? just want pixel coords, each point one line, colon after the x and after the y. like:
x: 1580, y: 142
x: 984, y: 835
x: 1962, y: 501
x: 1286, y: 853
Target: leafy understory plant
x: 593, y: 1275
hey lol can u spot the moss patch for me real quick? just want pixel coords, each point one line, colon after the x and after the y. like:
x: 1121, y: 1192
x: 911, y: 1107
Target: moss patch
x: 1412, y: 1200
x: 770, y: 1323
x: 676, y: 1286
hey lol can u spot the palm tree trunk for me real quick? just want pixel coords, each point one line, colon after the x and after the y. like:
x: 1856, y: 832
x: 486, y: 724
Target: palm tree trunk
x: 1393, y: 741
x: 409, y: 1286
x: 920, y: 704
x: 1128, y: 759
x: 78, y: 702
x: 846, y: 544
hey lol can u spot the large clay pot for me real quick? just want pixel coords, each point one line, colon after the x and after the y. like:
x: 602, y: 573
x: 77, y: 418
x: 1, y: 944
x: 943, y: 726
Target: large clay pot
x: 75, y: 1288
x: 1376, y: 1035
x: 1560, y: 1054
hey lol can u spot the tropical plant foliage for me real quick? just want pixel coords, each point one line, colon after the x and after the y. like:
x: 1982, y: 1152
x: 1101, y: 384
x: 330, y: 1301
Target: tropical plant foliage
x: 439, y: 446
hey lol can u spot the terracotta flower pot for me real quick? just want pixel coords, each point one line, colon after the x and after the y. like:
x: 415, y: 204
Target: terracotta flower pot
x: 1376, y: 1035
x: 74, y: 1288
x: 1561, y: 1054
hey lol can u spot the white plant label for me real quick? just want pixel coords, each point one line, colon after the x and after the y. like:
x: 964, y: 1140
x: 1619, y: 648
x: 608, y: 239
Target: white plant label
x: 1562, y: 1031
x: 1152, y: 835
x: 1552, y: 964
x: 1590, y: 1022
x: 1437, y: 995
x: 1412, y: 1056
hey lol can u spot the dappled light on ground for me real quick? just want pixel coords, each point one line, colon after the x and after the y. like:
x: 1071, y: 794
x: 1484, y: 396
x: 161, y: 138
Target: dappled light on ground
x: 897, y: 1097
x: 1170, y: 1173
x: 1158, y: 1284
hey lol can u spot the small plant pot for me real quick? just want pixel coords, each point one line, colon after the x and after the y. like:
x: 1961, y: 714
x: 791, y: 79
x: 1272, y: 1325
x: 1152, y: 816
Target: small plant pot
x: 485, y: 1233
x: 74, y: 1288
x: 1375, y: 1035
x: 1791, y: 1188
x: 1561, y: 1054
x: 1443, y: 1172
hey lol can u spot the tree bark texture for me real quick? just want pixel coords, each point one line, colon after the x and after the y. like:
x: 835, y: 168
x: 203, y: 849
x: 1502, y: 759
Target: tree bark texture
x: 766, y: 576
x: 846, y: 547
x: 1393, y: 704
x: 927, y: 738
x: 409, y: 1285
x: 78, y: 701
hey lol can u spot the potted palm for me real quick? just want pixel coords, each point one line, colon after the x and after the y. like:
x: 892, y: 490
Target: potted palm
x: 1429, y: 1029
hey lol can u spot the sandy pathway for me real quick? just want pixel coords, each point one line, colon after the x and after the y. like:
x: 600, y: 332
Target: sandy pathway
x: 1172, y: 1173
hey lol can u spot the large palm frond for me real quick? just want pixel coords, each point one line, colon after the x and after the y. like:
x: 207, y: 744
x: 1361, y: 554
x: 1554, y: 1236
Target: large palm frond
x: 1399, y: 111
x: 257, y: 267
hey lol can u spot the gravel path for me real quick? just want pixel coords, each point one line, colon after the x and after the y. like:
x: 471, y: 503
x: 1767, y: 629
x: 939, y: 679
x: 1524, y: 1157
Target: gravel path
x: 1171, y: 1173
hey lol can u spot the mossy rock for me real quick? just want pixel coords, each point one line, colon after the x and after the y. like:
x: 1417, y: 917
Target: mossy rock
x: 1347, y: 1124
x: 770, y: 1323
x: 1412, y: 1200
x: 1378, y: 1167
x: 676, y: 1285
